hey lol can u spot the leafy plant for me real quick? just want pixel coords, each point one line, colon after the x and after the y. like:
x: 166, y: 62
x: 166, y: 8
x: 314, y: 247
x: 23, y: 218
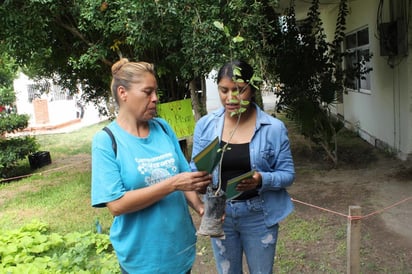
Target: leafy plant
x: 12, y: 149
x: 237, y: 78
x: 33, y: 249
x: 211, y: 224
x: 310, y: 69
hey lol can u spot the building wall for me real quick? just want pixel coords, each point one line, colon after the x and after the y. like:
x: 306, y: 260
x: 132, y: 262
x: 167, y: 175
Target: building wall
x: 382, y: 116
x: 59, y: 111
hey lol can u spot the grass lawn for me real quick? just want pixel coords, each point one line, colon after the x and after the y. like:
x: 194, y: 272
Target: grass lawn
x: 57, y: 194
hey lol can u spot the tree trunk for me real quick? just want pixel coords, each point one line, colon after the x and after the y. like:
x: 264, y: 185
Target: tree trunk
x: 198, y: 98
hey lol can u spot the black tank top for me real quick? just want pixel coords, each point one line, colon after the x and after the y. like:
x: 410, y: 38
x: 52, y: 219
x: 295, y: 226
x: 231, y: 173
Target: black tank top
x: 236, y: 161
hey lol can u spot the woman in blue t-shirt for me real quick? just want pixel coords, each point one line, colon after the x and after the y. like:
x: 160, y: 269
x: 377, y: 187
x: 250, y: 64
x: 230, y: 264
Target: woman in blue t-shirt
x: 145, y: 180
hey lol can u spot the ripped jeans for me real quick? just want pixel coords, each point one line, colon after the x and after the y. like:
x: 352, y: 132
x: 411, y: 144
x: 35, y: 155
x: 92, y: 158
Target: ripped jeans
x: 245, y: 231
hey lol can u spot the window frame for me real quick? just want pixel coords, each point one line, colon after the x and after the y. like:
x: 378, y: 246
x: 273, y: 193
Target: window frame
x: 359, y: 85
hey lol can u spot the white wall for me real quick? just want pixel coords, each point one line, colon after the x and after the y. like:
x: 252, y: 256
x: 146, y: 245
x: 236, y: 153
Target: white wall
x: 213, y: 101
x: 384, y: 116
x: 22, y: 103
x: 60, y: 111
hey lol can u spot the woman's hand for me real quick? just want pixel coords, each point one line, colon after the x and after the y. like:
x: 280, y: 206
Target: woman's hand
x: 251, y: 183
x: 192, y: 181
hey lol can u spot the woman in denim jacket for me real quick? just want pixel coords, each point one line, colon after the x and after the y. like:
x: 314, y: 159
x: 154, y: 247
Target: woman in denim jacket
x: 259, y: 143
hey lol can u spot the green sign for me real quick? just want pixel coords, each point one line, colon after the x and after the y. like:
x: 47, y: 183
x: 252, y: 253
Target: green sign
x: 179, y: 115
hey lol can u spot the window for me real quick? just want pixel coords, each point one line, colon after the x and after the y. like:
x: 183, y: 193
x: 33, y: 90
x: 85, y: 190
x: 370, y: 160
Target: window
x: 54, y: 92
x: 33, y: 92
x: 357, y: 61
x: 58, y: 93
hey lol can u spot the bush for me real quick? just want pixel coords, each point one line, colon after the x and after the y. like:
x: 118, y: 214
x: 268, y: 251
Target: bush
x: 13, y: 150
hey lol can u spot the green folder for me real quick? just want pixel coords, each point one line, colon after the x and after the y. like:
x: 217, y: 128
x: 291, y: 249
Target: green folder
x: 231, y: 192
x: 209, y: 157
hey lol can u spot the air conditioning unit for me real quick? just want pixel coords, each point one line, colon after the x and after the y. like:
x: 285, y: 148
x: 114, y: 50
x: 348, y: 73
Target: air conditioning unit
x: 392, y: 38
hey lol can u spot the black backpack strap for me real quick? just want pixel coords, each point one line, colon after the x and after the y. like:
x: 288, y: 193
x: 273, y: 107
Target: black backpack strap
x: 114, y: 144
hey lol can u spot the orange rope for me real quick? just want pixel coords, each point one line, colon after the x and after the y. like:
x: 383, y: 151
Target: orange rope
x: 354, y: 217
x: 386, y: 208
x: 321, y: 208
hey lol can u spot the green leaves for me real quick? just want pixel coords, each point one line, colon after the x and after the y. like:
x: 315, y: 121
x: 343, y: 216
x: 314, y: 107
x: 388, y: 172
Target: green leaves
x: 238, y: 39
x: 80, y: 40
x: 12, y: 149
x: 310, y: 69
x: 33, y: 249
x: 219, y: 25
x: 12, y: 122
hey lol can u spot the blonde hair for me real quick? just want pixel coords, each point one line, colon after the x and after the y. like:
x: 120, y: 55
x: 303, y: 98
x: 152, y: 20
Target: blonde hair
x: 125, y: 72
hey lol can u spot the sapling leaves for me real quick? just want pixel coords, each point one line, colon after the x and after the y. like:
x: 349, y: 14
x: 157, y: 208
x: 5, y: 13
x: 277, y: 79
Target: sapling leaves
x: 236, y: 95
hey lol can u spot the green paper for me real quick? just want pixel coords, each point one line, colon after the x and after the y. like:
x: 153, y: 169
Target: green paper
x: 231, y: 191
x: 209, y: 157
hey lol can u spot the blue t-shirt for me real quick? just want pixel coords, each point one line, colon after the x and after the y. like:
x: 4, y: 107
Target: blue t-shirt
x: 160, y: 238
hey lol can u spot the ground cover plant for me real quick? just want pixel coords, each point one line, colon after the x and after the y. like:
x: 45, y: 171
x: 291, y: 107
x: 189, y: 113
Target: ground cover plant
x: 34, y: 249
x: 49, y: 213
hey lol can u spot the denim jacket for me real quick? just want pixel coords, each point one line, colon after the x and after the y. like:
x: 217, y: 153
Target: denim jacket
x: 270, y: 155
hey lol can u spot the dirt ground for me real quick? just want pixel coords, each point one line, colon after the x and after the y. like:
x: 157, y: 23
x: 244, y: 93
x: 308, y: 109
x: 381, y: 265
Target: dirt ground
x: 377, y: 182
x: 383, y: 190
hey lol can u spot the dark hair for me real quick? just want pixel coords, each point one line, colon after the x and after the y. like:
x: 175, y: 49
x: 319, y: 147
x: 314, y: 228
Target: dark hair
x: 246, y: 72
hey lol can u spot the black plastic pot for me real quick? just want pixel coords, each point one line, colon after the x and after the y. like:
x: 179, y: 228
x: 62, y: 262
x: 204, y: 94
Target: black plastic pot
x: 39, y: 159
x: 211, y: 222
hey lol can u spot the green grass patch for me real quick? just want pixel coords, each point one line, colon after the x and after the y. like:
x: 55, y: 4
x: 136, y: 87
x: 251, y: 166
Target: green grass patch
x: 57, y: 195
x: 293, y: 254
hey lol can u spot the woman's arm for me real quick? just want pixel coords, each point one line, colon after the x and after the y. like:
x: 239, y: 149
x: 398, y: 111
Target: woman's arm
x: 282, y: 174
x: 138, y: 199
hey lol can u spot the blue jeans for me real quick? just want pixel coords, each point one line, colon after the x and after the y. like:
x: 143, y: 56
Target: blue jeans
x: 245, y: 231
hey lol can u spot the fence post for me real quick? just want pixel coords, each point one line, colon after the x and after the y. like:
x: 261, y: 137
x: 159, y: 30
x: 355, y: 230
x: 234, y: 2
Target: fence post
x: 353, y: 240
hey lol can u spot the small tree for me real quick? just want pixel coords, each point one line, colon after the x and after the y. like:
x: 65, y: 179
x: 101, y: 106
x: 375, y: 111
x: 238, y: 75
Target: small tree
x: 12, y: 149
x: 215, y: 198
x: 311, y: 70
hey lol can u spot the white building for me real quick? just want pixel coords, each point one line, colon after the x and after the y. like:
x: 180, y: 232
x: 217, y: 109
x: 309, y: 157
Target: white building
x: 54, y: 109
x: 379, y: 108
